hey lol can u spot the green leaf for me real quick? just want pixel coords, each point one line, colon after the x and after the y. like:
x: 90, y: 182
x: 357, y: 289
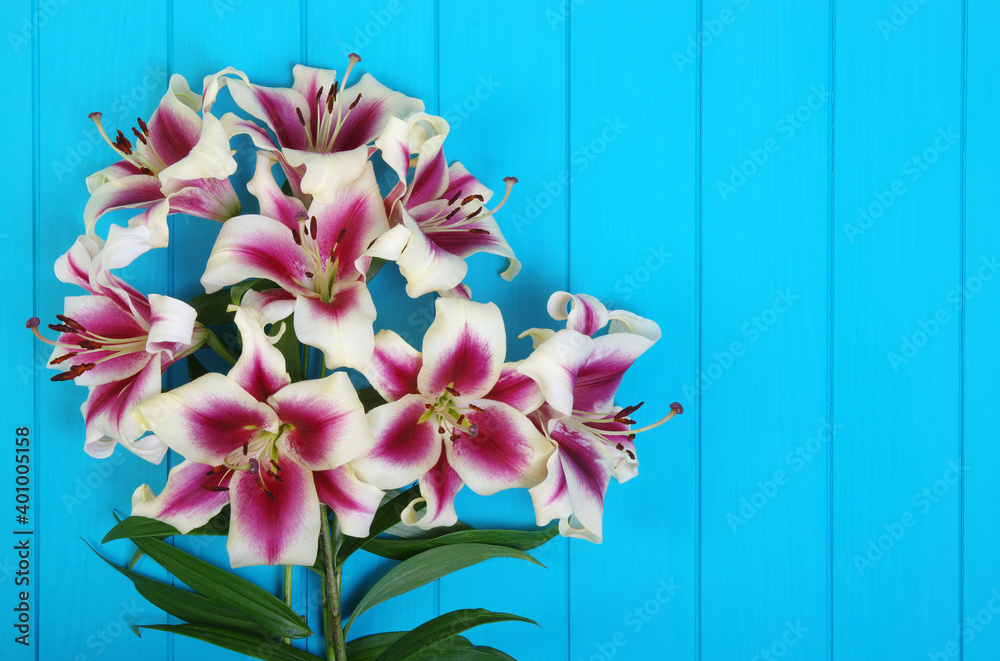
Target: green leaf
x: 138, y: 526
x: 370, y: 398
x: 373, y: 268
x: 428, y: 567
x: 258, y: 647
x: 522, y: 540
x: 429, y: 634
x: 456, y: 648
x: 274, y: 615
x: 211, y: 308
x: 289, y: 347
x: 185, y: 605
x: 386, y: 517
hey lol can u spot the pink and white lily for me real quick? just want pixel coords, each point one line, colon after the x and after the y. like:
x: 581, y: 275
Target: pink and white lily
x: 117, y: 342
x: 593, y: 439
x: 178, y: 163
x: 323, y: 127
x: 317, y: 257
x: 270, y: 448
x: 455, y: 413
x: 442, y: 210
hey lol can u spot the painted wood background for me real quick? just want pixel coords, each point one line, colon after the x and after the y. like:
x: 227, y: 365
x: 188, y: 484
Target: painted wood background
x: 802, y: 194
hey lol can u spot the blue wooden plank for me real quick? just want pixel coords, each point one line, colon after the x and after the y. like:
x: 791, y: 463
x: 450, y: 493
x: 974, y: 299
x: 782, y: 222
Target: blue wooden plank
x: 978, y: 633
x: 20, y: 25
x: 764, y: 379
x: 197, y: 51
x: 897, y: 255
x: 395, y: 40
x: 503, y: 91
x: 633, y: 158
x: 122, y: 77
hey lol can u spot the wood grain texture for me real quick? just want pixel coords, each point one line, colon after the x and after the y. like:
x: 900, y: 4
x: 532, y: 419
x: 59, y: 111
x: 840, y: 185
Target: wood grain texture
x: 802, y: 194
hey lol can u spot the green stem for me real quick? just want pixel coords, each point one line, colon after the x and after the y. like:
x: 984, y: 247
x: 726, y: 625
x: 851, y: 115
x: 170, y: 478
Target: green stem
x: 336, y: 646
x: 288, y: 594
x: 218, y: 347
x: 305, y: 362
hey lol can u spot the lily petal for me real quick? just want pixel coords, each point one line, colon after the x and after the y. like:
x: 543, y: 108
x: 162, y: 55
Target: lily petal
x: 279, y: 526
x: 394, y: 366
x: 353, y: 501
x: 554, y: 365
x: 586, y: 314
x: 404, y: 448
x: 273, y: 202
x: 342, y: 328
x: 326, y: 422
x: 506, y: 452
x: 207, y: 419
x: 579, y: 480
x: 516, y: 389
x: 426, y: 266
x: 597, y: 380
x: 260, y: 369
x: 438, y: 488
x: 171, y: 325
x: 326, y: 173
x: 375, y: 104
x: 464, y: 349
x: 184, y: 503
x: 209, y: 158
x: 109, y: 406
x: 255, y: 247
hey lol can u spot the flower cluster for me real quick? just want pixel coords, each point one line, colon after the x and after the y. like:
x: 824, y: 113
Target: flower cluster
x: 266, y: 439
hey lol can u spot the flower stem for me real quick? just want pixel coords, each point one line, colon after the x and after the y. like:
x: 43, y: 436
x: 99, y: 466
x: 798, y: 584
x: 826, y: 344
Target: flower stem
x: 216, y: 345
x: 288, y: 594
x: 305, y: 362
x: 336, y: 646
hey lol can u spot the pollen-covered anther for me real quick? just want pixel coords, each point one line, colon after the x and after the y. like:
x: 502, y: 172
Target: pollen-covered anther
x: 212, y: 487
x: 452, y: 391
x: 302, y: 119
x: 64, y: 357
x: 74, y: 371
x: 476, y: 408
x: 356, y: 101
x: 75, y: 325
x: 454, y: 197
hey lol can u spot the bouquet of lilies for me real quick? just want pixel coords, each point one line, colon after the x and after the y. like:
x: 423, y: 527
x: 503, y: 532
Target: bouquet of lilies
x: 282, y: 454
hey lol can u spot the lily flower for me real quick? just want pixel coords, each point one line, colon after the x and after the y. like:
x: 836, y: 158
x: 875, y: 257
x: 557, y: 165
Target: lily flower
x: 117, y: 342
x: 269, y: 447
x: 455, y: 413
x: 323, y: 126
x: 314, y: 254
x: 593, y: 439
x: 178, y: 162
x: 439, y: 218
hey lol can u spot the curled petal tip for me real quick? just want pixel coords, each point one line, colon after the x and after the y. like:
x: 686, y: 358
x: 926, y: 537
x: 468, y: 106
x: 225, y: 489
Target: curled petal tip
x: 677, y: 408
x: 33, y: 322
